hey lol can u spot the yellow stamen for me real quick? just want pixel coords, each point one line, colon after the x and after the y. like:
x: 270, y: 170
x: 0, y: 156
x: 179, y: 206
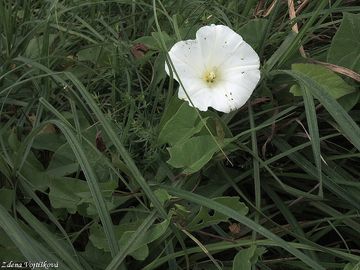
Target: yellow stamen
x: 210, y: 77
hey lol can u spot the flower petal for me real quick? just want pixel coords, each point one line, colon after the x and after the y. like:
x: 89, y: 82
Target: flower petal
x: 243, y: 57
x: 201, y: 98
x: 217, y: 43
x: 186, y: 58
x: 231, y: 95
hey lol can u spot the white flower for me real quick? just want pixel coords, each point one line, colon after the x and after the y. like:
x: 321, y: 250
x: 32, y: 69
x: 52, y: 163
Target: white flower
x: 218, y: 69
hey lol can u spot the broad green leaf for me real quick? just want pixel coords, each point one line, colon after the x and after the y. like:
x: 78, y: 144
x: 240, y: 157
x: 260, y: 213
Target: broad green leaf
x: 253, y: 31
x: 332, y: 83
x: 39, y: 179
x: 124, y: 233
x: 7, y: 197
x: 345, y: 46
x: 35, y: 46
x: 352, y: 266
x: 96, y: 257
x: 207, y: 217
x: 350, y: 100
x: 158, y: 36
x: 162, y: 195
x: 192, y: 154
x: 100, y: 55
x: 171, y: 109
x: 97, y: 236
x: 64, y: 162
x: 48, y: 141
x: 132, y: 242
x: 152, y: 42
x: 246, y: 258
x: 151, y: 235
x: 70, y: 193
x: 181, y: 126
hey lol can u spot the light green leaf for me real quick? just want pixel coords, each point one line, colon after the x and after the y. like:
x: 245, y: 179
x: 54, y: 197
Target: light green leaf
x: 246, y: 258
x: 334, y: 84
x: 207, y: 217
x: 183, y: 124
x: 192, y: 154
x: 345, y: 46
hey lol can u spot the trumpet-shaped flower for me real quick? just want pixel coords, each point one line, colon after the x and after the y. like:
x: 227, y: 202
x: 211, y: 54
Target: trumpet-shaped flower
x: 218, y: 69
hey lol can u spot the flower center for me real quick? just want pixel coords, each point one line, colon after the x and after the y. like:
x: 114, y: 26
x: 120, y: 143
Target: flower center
x: 210, y: 76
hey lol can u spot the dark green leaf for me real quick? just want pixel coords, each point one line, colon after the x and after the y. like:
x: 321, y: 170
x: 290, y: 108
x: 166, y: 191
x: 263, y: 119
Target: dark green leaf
x: 7, y: 197
x: 253, y: 31
x: 192, y: 154
x: 246, y: 258
x: 181, y: 126
x: 345, y: 46
x: 207, y: 217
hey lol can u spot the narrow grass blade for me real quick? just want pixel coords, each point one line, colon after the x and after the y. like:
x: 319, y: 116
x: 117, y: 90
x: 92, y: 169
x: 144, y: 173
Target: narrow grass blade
x: 256, y: 173
x: 349, y: 127
x: 311, y: 119
x: 48, y: 237
x: 303, y: 163
x: 30, y: 248
x: 244, y: 220
x: 93, y: 185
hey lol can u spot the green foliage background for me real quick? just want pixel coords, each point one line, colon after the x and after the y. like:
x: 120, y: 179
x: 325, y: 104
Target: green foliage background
x: 102, y: 167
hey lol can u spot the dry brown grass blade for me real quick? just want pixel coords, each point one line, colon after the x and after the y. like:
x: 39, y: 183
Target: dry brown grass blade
x: 338, y: 69
x: 295, y: 28
x: 302, y: 6
x: 259, y: 8
x: 269, y: 9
